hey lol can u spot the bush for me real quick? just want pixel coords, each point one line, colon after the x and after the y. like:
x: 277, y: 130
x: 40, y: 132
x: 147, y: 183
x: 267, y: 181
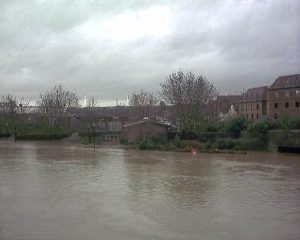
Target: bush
x: 189, y: 144
x: 162, y: 139
x: 239, y: 144
x: 211, y: 136
x: 177, y: 141
x: 42, y: 137
x: 260, y: 130
x: 226, y: 143
x: 123, y: 140
x: 288, y: 123
x: 213, y: 126
x: 146, y: 144
x: 236, y: 126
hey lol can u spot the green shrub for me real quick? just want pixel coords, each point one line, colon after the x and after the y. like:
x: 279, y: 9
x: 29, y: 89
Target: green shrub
x: 162, y: 139
x: 189, y: 144
x: 288, y: 123
x: 213, y: 126
x: 226, y: 143
x: 123, y: 140
x: 187, y: 148
x: 146, y: 144
x: 209, y: 145
x: 260, y: 130
x: 177, y: 141
x: 236, y: 126
x: 211, y: 136
x: 240, y: 144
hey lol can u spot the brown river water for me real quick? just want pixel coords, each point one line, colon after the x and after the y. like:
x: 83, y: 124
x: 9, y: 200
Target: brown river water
x: 61, y: 192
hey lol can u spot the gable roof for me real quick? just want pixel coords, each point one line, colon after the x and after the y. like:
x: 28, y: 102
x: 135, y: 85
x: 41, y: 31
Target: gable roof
x: 290, y: 81
x: 255, y: 94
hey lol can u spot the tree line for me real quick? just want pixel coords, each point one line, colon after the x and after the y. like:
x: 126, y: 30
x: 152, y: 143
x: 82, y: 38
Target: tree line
x: 188, y: 95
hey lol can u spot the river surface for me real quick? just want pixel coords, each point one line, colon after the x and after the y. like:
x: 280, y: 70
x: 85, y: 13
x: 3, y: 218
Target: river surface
x: 62, y: 192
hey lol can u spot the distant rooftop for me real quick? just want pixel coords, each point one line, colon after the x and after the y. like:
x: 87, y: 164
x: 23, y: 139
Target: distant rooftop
x: 255, y: 94
x: 290, y: 81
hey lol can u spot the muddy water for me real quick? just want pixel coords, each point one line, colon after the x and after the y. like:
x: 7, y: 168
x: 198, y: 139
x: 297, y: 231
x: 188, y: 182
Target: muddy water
x: 66, y: 192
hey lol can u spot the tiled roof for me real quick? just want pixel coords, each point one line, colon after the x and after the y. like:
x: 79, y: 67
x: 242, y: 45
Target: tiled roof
x: 255, y: 94
x: 290, y: 81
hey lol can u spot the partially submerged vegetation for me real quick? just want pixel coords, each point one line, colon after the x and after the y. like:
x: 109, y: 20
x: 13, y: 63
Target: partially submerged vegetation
x: 235, y: 135
x: 35, y: 131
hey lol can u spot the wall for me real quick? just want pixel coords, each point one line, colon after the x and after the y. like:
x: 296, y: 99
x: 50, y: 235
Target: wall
x: 253, y: 110
x: 283, y: 137
x: 281, y: 97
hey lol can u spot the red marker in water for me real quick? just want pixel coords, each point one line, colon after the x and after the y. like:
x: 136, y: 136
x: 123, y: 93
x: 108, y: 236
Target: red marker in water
x: 193, y: 151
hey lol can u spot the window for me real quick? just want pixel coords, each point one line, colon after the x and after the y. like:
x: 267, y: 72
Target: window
x: 297, y: 92
x: 275, y: 115
x: 297, y: 104
x: 287, y: 94
x: 257, y: 106
x: 276, y: 94
x: 252, y: 117
x: 257, y: 116
x: 276, y: 105
x: 287, y: 105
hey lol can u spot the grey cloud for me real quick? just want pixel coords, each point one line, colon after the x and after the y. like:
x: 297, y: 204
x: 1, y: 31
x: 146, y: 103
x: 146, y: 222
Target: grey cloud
x: 236, y: 44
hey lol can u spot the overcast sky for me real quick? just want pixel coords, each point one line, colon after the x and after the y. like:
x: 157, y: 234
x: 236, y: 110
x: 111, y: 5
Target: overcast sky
x: 109, y: 48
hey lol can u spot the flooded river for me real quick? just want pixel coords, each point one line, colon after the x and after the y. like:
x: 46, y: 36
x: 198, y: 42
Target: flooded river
x: 54, y: 191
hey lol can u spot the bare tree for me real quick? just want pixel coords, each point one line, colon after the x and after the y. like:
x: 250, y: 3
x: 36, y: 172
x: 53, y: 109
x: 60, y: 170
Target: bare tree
x: 143, y: 104
x: 9, y: 107
x: 58, y: 100
x: 190, y: 95
x: 9, y: 104
x: 23, y: 104
x: 89, y: 121
x: 92, y: 103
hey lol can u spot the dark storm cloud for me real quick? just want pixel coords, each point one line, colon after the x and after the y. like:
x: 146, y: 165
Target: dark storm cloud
x: 108, y: 49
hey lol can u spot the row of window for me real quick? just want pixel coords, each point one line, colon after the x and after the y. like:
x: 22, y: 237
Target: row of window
x: 287, y: 105
x: 276, y: 105
x: 250, y: 107
x: 252, y: 116
x: 287, y: 93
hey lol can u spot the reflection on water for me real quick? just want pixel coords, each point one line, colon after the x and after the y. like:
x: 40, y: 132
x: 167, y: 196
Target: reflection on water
x: 54, y: 191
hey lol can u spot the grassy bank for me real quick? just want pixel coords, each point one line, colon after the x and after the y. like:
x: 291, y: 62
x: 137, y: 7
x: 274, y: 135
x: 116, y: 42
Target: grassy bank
x: 40, y: 131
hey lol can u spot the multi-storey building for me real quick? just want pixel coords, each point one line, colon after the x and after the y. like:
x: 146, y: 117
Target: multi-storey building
x: 284, y: 97
x: 253, y: 105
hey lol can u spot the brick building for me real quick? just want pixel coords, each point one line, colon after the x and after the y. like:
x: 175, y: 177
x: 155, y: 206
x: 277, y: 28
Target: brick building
x: 133, y: 132
x: 284, y: 97
x: 253, y: 105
